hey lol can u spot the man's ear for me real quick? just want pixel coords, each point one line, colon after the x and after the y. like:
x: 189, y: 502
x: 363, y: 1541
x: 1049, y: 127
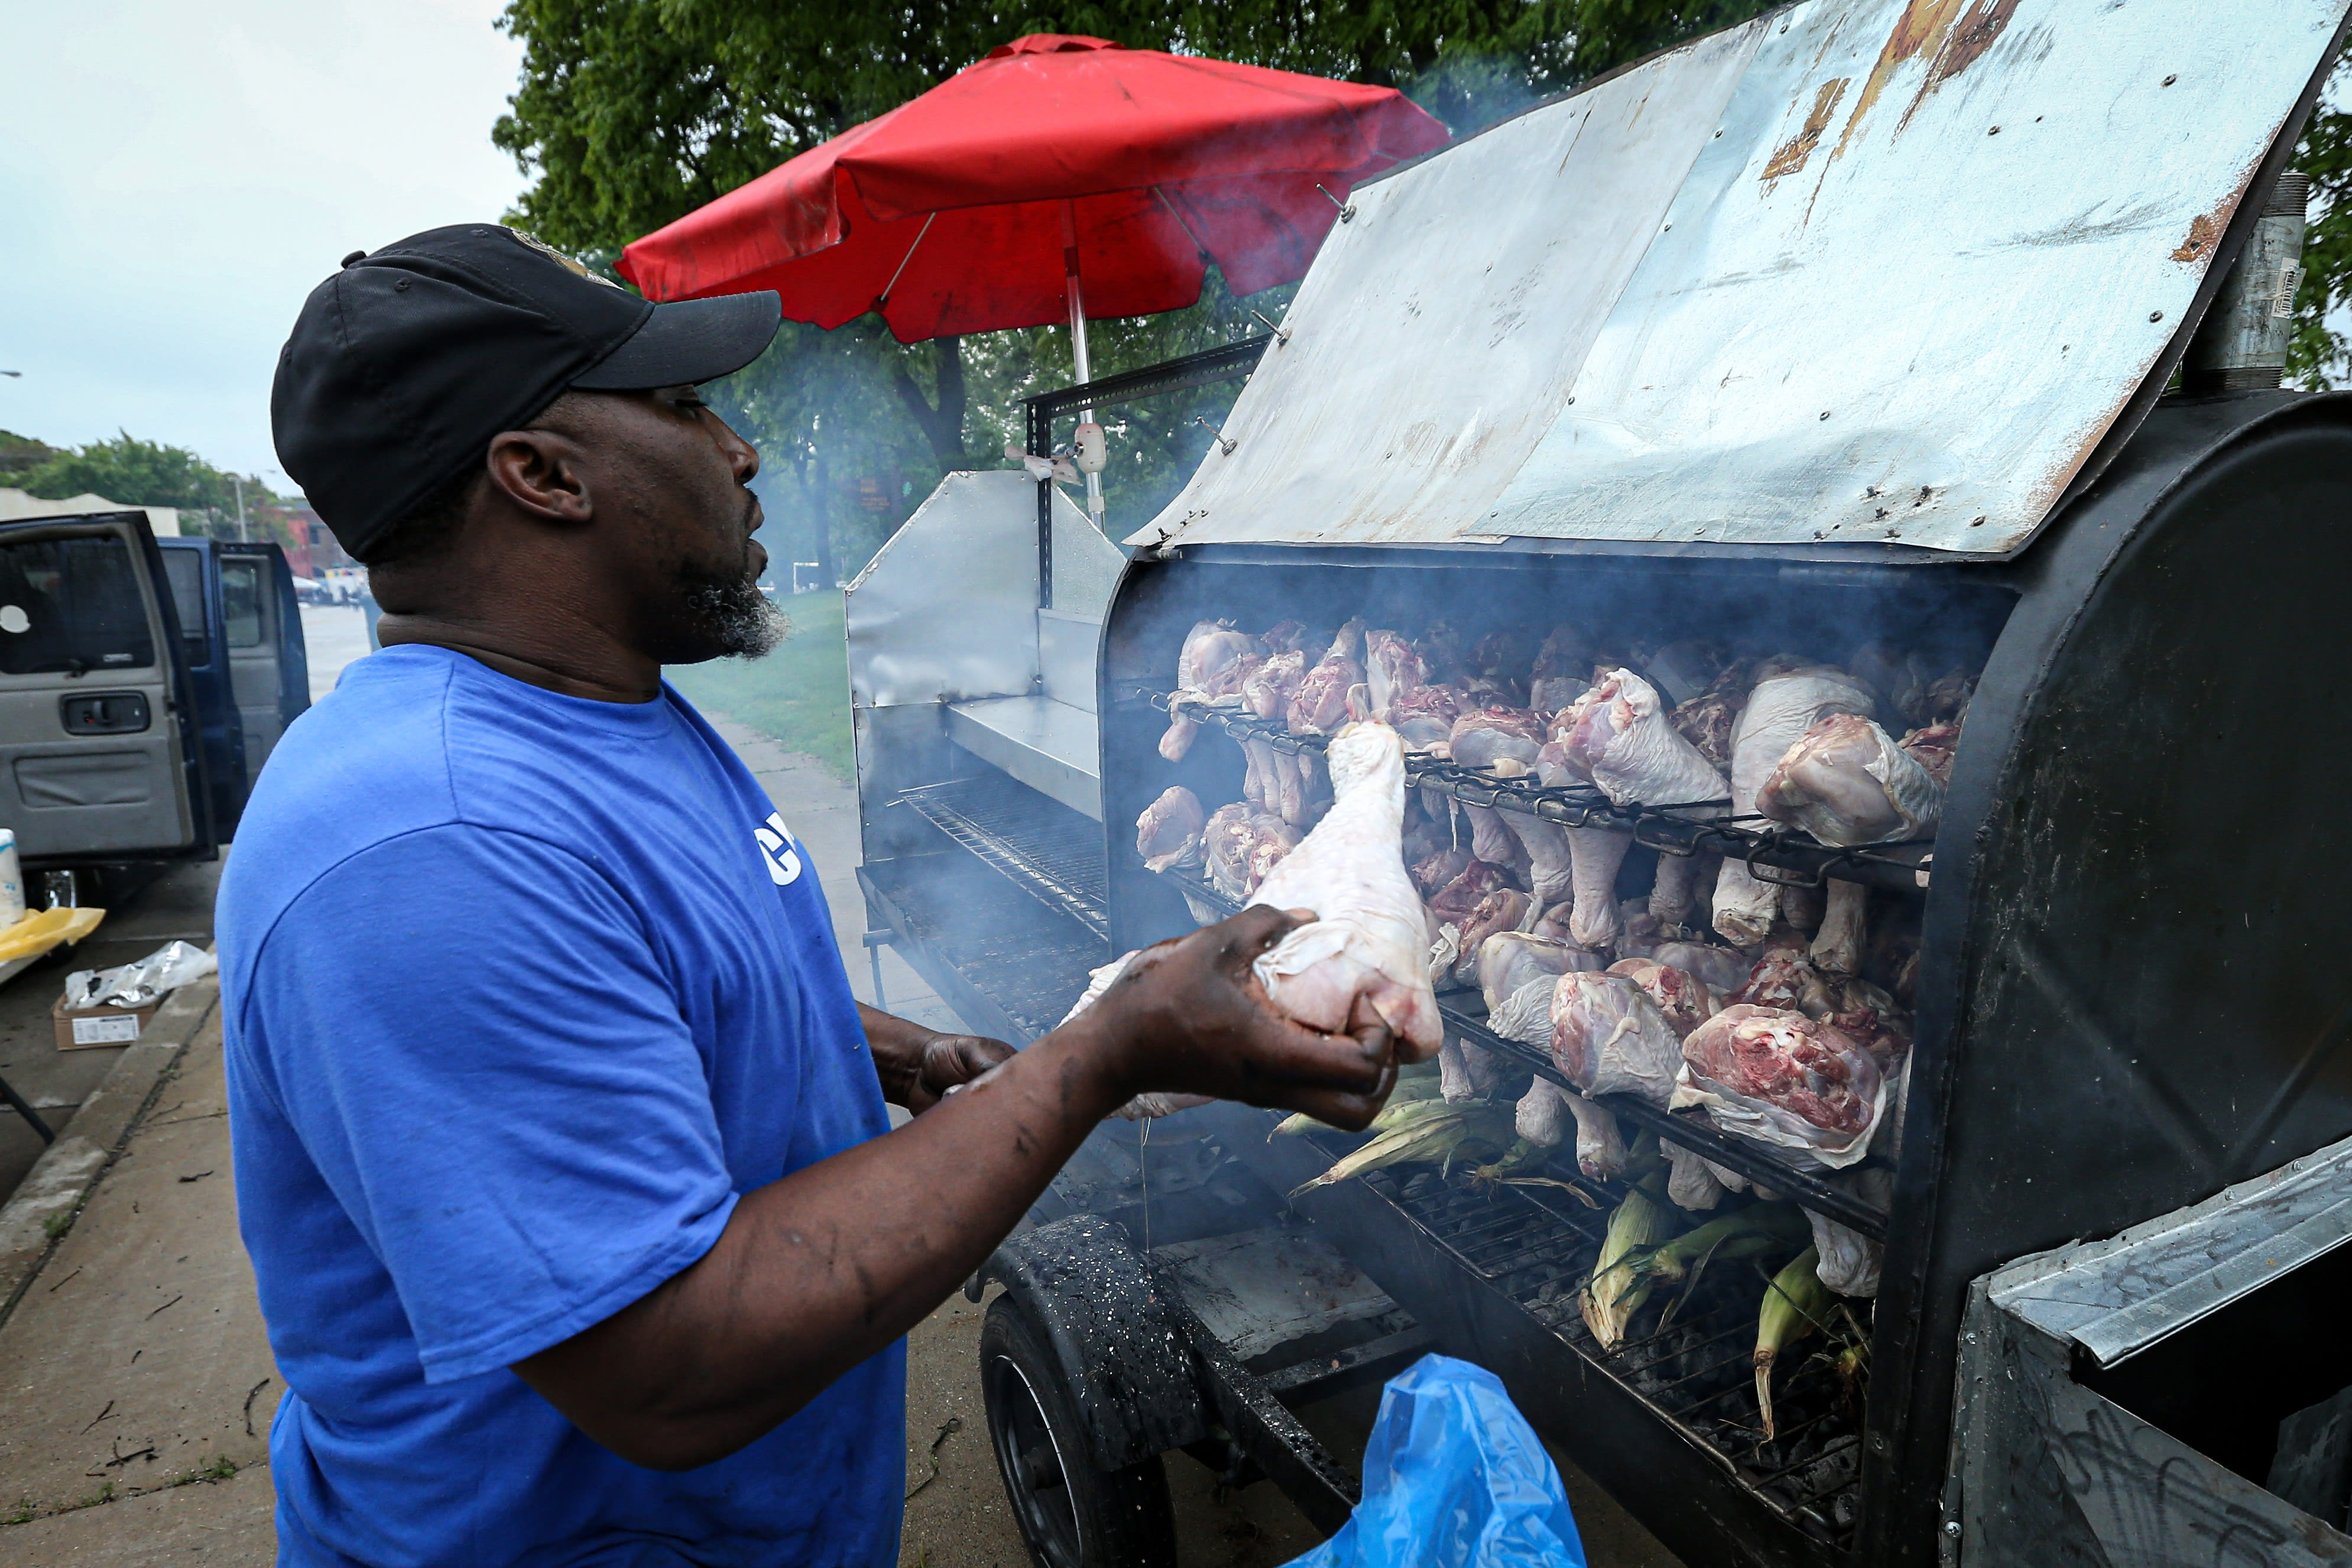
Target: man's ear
x: 544, y: 471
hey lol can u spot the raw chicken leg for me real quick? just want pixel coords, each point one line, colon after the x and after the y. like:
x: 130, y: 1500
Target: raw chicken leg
x: 1500, y: 911
x: 1508, y: 961
x: 1213, y: 662
x: 1558, y: 678
x: 1594, y: 855
x: 1609, y: 1038
x: 1168, y: 834
x: 1321, y: 704
x: 1845, y: 781
x: 1392, y: 669
x: 1370, y: 938
x: 1787, y: 699
x: 1551, y: 871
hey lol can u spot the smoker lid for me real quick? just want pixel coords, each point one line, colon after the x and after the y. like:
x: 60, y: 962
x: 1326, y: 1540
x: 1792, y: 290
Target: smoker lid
x: 1869, y: 271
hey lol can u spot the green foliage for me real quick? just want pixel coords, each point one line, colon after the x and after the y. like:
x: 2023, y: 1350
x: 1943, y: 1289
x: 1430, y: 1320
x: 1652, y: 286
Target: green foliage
x: 138, y: 473
x: 2318, y: 355
x: 19, y: 455
x: 799, y: 694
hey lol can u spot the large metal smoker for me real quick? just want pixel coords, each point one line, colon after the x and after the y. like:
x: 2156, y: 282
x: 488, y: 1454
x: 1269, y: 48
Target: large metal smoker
x: 1911, y: 316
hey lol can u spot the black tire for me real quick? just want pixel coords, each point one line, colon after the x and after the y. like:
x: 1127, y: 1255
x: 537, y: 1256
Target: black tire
x: 1071, y: 1514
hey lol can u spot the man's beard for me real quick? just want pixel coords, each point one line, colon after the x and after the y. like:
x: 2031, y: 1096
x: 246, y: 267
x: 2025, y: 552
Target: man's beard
x: 726, y: 612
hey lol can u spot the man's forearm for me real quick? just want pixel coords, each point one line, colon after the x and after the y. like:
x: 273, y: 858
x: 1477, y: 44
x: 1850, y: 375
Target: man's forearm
x: 818, y: 1271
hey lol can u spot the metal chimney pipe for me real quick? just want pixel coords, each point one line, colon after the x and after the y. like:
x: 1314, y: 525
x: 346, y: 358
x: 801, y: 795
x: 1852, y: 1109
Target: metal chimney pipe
x: 2241, y: 346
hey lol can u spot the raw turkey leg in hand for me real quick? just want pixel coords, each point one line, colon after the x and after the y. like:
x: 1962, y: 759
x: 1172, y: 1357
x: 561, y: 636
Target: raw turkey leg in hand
x: 1787, y: 698
x: 1369, y: 937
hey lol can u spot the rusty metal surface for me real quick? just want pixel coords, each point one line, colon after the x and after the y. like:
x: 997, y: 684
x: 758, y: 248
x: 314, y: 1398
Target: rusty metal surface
x: 1871, y: 271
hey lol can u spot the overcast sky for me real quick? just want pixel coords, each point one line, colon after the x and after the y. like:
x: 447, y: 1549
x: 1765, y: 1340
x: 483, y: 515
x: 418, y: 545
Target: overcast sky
x: 175, y: 177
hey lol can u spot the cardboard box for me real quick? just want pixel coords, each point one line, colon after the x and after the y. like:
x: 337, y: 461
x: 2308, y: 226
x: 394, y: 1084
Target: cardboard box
x: 95, y: 1027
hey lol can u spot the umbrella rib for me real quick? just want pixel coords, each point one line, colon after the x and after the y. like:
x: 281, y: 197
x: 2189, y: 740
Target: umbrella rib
x: 883, y: 299
x: 1199, y: 249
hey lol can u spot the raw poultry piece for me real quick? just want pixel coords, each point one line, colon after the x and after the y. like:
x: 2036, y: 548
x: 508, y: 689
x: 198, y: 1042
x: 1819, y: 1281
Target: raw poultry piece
x: 1617, y: 735
x: 1454, y: 902
x: 1785, y: 978
x: 1685, y: 671
x: 1501, y: 910
x: 1272, y: 839
x: 1710, y: 720
x: 1846, y: 783
x: 1594, y: 854
x: 1932, y: 747
x: 1850, y: 1261
x: 1319, y: 705
x: 1691, y: 1183
x: 1682, y: 999
x: 1267, y: 689
x: 1897, y: 678
x: 1290, y: 637
x: 1554, y: 921
x: 1225, y: 841
x: 1675, y: 894
x: 1272, y: 782
x: 1424, y: 717
x: 1545, y: 1110
x: 1788, y: 698
x: 1945, y: 700
x: 1435, y: 872
x: 1482, y: 736
x: 1776, y: 1075
x: 1392, y: 669
x: 1803, y: 908
x: 1609, y: 1038
x: 1724, y: 969
x: 1867, y: 1013
x: 1442, y: 653
x: 1466, y: 1072
x: 1501, y: 660
x: 1558, y: 677
x: 1168, y: 834
x: 1214, y: 660
x: 1370, y: 938
x: 1490, y: 841
x: 1551, y: 870
x: 1508, y: 960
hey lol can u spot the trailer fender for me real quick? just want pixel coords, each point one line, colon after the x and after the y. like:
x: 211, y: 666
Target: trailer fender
x: 1125, y: 1356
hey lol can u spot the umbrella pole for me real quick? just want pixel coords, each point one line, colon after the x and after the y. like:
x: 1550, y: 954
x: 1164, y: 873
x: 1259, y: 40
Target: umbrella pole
x: 1085, y: 371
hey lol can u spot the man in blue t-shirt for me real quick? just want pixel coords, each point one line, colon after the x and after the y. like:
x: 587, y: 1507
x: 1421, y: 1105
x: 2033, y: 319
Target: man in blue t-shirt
x: 561, y: 1142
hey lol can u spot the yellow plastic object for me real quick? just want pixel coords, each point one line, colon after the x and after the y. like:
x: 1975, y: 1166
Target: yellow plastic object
x: 36, y: 934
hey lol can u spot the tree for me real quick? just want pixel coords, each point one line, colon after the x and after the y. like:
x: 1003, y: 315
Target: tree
x: 150, y: 474
x: 2318, y: 355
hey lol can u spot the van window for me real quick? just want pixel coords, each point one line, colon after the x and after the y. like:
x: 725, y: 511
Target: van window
x: 184, y: 569
x: 71, y: 605
x: 241, y: 601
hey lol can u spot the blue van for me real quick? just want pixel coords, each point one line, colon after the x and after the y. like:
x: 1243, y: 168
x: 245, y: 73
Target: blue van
x: 142, y: 685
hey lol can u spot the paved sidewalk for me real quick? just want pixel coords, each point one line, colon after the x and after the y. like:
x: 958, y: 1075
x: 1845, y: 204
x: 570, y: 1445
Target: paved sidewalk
x: 138, y: 1378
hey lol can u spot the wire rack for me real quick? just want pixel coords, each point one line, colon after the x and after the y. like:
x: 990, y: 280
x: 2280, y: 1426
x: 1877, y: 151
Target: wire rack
x: 1772, y: 851
x: 1690, y: 1351
x: 1461, y: 1013
x: 1048, y: 850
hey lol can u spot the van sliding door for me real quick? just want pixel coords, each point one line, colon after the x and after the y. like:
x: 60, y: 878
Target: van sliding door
x: 90, y: 744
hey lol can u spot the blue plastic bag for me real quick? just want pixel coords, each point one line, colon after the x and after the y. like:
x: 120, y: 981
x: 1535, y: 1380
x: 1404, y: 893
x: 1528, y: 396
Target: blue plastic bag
x: 1454, y: 1477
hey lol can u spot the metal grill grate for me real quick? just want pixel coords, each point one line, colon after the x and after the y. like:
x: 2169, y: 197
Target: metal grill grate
x: 1048, y: 850
x: 1690, y: 1356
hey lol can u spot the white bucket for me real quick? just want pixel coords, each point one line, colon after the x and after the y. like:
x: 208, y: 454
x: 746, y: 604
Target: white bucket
x: 11, y: 881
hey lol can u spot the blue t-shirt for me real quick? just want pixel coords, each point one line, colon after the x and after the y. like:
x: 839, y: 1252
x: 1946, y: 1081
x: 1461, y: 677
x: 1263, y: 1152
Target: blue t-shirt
x: 521, y: 992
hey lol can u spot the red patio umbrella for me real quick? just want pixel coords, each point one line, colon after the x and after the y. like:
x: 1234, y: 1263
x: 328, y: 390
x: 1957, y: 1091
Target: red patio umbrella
x: 985, y: 203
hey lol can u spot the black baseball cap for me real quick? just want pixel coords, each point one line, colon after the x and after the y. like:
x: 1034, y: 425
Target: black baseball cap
x: 406, y: 362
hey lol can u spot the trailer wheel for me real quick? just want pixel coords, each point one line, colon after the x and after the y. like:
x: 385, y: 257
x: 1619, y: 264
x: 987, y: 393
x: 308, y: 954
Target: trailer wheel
x: 1071, y: 1514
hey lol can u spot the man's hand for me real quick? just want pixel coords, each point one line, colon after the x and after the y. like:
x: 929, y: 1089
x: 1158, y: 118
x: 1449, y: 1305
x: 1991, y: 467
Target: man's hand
x: 1188, y: 1017
x: 917, y: 1066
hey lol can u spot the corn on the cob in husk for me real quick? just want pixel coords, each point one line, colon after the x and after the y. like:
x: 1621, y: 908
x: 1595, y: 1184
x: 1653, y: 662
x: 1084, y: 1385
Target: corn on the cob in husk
x: 1441, y: 1134
x: 1417, y: 1091
x: 1759, y: 1229
x: 1794, y: 1303
x: 1619, y: 1283
x: 1521, y: 1158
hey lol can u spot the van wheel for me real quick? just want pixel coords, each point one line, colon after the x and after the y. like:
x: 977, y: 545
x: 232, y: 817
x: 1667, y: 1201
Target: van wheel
x: 1071, y: 1514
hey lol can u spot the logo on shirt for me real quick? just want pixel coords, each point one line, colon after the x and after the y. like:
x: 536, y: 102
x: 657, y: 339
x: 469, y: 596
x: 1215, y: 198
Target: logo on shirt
x: 776, y: 847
